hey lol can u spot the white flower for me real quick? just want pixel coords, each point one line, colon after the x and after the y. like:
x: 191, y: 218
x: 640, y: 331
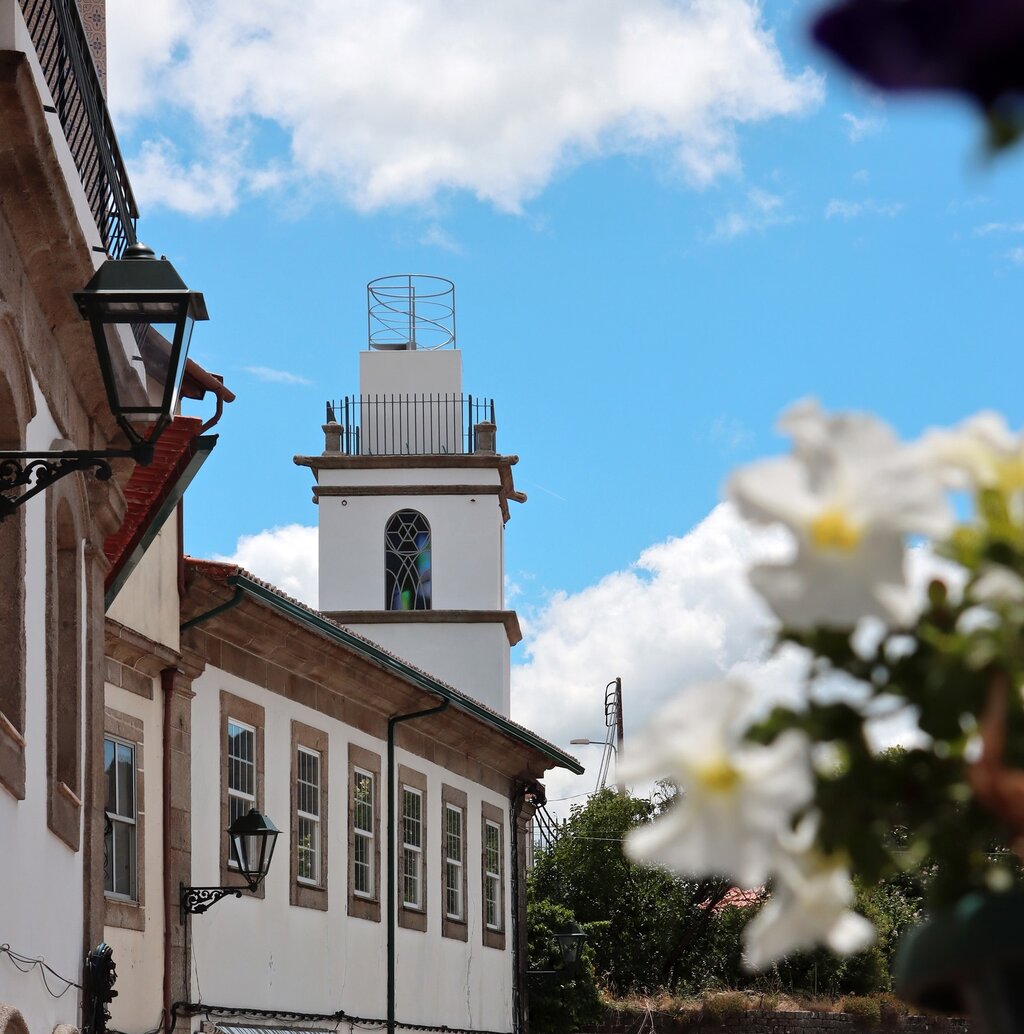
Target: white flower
x: 735, y: 796
x: 981, y: 452
x: 998, y: 585
x: 810, y: 905
x: 851, y: 493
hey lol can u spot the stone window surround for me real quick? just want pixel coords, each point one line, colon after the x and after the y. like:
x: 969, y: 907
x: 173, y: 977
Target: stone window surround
x: 489, y: 813
x: 245, y: 711
x: 408, y: 917
x: 64, y: 675
x: 16, y: 409
x: 358, y: 906
x: 130, y: 915
x: 305, y: 895
x: 458, y: 929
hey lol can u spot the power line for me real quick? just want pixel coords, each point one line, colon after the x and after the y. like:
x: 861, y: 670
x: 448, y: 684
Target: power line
x: 26, y: 964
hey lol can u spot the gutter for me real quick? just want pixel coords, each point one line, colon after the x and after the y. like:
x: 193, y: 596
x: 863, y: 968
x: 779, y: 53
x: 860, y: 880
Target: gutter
x: 393, y: 722
x: 393, y: 664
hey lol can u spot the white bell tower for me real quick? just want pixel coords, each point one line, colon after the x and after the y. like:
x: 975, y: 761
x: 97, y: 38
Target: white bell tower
x: 414, y: 497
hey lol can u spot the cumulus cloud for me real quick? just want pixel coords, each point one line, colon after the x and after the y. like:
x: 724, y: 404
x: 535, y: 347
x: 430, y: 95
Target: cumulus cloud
x: 682, y: 613
x: 989, y: 228
x: 839, y: 209
x: 858, y: 127
x: 286, y: 557
x: 392, y: 102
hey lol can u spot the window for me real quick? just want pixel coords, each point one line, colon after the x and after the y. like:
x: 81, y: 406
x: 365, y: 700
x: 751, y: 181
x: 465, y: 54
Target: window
x: 492, y: 875
x: 307, y: 793
x: 453, y: 849
x: 241, y: 748
x: 407, y: 562
x: 124, y: 841
x: 453, y: 863
x: 412, y: 862
x: 242, y: 724
x: 119, y: 850
x: 364, y: 833
x: 309, y: 817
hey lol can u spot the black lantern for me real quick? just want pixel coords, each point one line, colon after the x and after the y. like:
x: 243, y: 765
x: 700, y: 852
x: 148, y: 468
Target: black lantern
x: 141, y: 315
x: 252, y: 838
x: 143, y: 361
x: 570, y: 942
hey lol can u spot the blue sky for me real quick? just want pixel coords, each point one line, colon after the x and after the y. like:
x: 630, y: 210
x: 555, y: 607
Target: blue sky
x: 641, y: 318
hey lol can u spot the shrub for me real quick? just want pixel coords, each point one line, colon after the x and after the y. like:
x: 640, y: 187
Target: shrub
x: 720, y: 1007
x: 866, y: 1012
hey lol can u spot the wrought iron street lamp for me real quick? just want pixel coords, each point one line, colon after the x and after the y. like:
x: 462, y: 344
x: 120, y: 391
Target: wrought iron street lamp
x: 570, y: 939
x: 141, y: 314
x: 252, y: 838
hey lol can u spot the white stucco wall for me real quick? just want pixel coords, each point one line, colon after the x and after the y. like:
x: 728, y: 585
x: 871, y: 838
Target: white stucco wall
x: 471, y: 657
x: 41, y: 878
x: 148, y: 601
x: 270, y: 954
x: 139, y: 953
x: 465, y: 542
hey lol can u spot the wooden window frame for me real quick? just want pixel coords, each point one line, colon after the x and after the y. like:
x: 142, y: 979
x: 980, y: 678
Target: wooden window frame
x: 304, y: 894
x: 247, y: 713
x: 410, y: 917
x: 458, y: 929
x: 493, y: 937
x: 119, y: 911
x: 359, y: 905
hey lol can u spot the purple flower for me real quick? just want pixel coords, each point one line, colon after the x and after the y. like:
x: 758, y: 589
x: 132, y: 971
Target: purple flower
x: 973, y: 47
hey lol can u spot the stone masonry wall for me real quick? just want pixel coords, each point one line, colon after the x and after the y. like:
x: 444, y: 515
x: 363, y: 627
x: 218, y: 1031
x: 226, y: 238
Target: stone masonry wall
x: 758, y: 1022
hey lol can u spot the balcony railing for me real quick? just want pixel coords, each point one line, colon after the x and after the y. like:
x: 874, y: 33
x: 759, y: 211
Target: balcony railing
x: 63, y: 51
x: 398, y: 425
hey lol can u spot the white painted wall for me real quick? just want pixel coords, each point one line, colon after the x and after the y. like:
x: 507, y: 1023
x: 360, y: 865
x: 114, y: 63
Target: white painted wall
x: 148, y: 601
x: 140, y: 954
x: 471, y: 657
x: 465, y: 542
x: 269, y: 954
x: 41, y: 879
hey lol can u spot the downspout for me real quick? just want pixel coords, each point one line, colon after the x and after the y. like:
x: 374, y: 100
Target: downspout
x: 170, y: 897
x: 392, y: 902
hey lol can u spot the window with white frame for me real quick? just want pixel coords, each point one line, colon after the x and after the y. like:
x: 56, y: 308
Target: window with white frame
x: 307, y: 796
x: 241, y: 771
x: 412, y: 847
x: 454, y: 850
x: 363, y: 833
x: 119, y: 861
x: 492, y: 875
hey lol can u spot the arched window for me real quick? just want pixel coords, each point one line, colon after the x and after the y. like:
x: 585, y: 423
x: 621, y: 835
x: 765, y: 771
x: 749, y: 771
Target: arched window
x: 407, y: 562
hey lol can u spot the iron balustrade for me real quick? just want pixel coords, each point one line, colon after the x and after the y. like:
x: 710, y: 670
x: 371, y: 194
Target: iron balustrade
x: 62, y: 47
x: 397, y: 425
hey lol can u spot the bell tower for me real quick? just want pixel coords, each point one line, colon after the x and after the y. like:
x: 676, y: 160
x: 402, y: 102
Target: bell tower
x: 413, y: 498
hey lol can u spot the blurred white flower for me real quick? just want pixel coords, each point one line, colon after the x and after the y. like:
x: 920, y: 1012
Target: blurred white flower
x: 809, y: 905
x: 981, y: 452
x: 735, y: 796
x: 998, y: 585
x: 851, y: 493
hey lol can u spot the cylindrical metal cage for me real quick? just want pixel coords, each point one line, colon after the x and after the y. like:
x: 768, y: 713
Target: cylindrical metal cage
x: 410, y: 310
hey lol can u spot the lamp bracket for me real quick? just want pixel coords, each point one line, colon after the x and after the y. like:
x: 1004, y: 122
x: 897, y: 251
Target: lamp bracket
x: 196, y: 900
x: 36, y: 471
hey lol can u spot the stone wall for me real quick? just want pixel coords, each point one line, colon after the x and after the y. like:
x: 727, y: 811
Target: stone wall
x: 761, y: 1022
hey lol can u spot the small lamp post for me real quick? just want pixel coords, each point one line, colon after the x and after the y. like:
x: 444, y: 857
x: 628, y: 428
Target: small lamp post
x: 252, y: 838
x: 140, y: 293
x: 570, y: 939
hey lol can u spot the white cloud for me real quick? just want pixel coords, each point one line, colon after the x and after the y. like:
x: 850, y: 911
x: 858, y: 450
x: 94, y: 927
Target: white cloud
x: 1016, y: 256
x: 286, y: 557
x: 858, y: 127
x: 761, y: 211
x: 838, y: 209
x: 989, y: 228
x: 392, y: 102
x: 682, y: 613
x: 437, y: 237
x: 269, y: 374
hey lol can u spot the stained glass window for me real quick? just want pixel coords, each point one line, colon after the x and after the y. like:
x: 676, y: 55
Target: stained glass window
x: 407, y: 562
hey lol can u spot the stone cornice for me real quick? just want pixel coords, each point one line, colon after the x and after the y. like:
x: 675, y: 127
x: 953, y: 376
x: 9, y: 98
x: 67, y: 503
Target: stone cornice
x: 508, y: 618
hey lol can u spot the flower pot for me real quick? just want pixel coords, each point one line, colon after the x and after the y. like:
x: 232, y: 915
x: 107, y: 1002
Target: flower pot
x: 968, y: 959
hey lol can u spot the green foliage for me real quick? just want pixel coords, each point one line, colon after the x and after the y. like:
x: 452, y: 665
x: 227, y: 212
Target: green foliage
x: 726, y: 1005
x: 558, y: 1006
x: 866, y: 1012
